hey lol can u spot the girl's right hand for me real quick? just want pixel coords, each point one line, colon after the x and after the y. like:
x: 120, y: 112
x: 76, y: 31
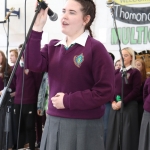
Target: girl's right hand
x: 115, y: 106
x: 39, y: 112
x: 40, y: 20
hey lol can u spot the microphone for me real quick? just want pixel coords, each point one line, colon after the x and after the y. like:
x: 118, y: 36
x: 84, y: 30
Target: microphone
x: 53, y: 16
x: 10, y: 11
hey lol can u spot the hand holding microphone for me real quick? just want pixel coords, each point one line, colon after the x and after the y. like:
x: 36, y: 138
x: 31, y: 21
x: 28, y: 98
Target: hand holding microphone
x: 42, y: 16
x: 53, y: 16
x: 40, y: 20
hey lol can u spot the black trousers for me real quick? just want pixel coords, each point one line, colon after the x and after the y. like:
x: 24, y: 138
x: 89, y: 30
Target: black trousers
x: 27, y: 124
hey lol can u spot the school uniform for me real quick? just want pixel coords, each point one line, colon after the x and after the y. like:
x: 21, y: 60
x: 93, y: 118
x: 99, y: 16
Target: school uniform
x: 140, y: 104
x: 81, y: 72
x: 42, y: 104
x: 27, y: 101
x: 3, y: 111
x: 2, y: 114
x: 130, y: 112
x: 145, y: 130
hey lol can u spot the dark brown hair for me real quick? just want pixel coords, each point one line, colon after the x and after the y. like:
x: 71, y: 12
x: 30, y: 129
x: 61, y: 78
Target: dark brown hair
x: 88, y: 8
x: 117, y: 61
x: 3, y: 65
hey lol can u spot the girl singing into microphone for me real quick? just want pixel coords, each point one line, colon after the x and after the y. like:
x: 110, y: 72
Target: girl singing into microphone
x: 78, y: 75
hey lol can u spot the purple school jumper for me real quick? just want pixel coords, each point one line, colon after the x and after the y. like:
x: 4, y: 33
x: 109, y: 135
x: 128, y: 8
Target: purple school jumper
x: 132, y: 89
x: 84, y: 74
x: 146, y: 95
x: 31, y: 86
x: 144, y: 130
x: 130, y: 127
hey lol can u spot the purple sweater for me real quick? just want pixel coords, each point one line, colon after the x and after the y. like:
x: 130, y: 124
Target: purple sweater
x: 32, y: 83
x: 146, y: 95
x: 84, y: 74
x: 132, y: 89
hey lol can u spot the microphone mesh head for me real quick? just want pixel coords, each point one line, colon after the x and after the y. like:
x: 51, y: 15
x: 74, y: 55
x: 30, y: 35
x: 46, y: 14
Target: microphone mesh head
x: 54, y: 17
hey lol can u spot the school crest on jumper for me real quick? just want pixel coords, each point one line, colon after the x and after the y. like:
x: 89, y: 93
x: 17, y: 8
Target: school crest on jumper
x: 78, y: 60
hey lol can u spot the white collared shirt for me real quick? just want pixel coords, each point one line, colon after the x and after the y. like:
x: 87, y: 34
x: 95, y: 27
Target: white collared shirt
x: 80, y: 40
x: 127, y: 68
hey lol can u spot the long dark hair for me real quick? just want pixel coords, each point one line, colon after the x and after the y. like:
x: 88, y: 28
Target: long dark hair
x: 3, y: 65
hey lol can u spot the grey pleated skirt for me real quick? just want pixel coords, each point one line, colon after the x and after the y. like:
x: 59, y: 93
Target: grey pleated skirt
x: 72, y: 134
x: 144, y: 140
x: 130, y: 128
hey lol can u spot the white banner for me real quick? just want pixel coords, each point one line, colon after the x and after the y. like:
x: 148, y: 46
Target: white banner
x: 131, y: 2
x: 133, y: 24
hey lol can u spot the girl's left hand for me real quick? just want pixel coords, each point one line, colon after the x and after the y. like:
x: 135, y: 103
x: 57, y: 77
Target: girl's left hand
x: 57, y: 101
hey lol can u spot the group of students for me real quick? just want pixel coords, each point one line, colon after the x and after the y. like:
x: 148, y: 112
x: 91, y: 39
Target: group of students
x: 28, y: 98
x: 132, y: 132
x: 82, y: 80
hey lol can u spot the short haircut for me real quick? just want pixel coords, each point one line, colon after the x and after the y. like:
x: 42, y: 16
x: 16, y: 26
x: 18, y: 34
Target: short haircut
x: 15, y: 51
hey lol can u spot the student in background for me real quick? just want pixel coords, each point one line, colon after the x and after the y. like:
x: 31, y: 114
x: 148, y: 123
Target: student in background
x: 25, y: 103
x: 42, y: 106
x: 107, y: 109
x: 112, y: 56
x: 4, y: 71
x: 140, y: 65
x: 130, y: 110
x: 13, y: 55
x: 144, y: 138
x: 13, y: 58
x: 117, y: 64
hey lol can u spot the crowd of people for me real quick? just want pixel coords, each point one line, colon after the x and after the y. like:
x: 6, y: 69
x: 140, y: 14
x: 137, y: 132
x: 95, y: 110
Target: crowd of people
x: 36, y: 93
x: 27, y: 107
x: 123, y: 126
x: 77, y: 88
